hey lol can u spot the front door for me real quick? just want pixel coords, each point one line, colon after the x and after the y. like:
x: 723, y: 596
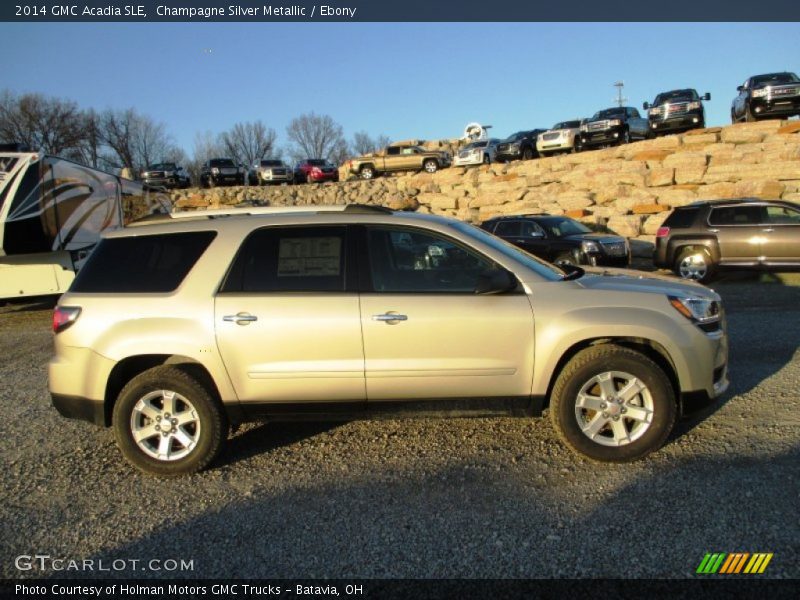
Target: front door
x: 740, y: 233
x: 287, y: 318
x: 427, y: 335
x: 781, y: 235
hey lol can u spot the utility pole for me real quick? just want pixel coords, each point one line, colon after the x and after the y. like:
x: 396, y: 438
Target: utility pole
x: 620, y: 100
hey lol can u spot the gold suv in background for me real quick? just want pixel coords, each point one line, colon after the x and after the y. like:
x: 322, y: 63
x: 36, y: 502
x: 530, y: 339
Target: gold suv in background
x: 174, y: 331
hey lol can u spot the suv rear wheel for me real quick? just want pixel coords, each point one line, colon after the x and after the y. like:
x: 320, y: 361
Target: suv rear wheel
x: 613, y: 404
x: 694, y: 264
x: 367, y: 172
x: 166, y: 423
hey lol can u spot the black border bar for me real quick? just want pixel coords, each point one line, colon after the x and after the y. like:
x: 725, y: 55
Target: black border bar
x: 610, y: 11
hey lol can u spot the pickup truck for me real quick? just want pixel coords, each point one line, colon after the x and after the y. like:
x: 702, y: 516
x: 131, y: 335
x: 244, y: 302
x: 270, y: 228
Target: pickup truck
x: 400, y: 156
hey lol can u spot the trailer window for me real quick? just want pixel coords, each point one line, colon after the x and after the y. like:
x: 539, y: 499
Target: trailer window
x: 142, y: 264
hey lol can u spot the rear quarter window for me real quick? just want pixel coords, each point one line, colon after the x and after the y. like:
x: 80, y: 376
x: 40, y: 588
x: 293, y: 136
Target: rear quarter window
x: 682, y: 218
x: 142, y: 264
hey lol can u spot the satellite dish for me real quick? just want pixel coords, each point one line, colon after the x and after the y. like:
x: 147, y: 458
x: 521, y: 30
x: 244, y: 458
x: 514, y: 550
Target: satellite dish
x: 475, y: 132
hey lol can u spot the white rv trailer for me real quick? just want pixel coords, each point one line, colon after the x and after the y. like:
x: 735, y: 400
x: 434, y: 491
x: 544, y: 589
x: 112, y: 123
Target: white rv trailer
x: 52, y: 214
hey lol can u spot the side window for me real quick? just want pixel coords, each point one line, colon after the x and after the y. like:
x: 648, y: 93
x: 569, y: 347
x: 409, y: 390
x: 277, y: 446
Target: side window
x: 782, y: 215
x: 290, y: 259
x: 507, y: 228
x: 634, y: 113
x: 412, y: 261
x: 529, y: 228
x: 393, y: 150
x: 736, y: 215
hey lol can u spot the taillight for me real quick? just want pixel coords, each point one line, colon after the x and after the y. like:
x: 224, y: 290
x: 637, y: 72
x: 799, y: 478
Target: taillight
x: 662, y: 232
x: 64, y: 316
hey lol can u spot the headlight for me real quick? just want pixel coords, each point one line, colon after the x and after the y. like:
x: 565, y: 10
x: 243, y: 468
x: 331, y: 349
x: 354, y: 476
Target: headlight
x: 614, y: 122
x: 590, y: 247
x: 702, y: 310
x: 655, y: 111
x: 514, y: 147
x: 584, y: 128
x: 215, y: 170
x: 694, y: 105
x: 761, y: 93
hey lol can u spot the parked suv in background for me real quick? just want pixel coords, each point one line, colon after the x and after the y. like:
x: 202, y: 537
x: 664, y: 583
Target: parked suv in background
x: 270, y: 170
x: 618, y: 125
x: 408, y: 155
x: 519, y: 146
x: 697, y: 240
x: 677, y: 110
x: 221, y: 171
x: 172, y: 332
x: 168, y: 175
x: 315, y: 170
x: 561, y: 240
x: 563, y: 137
x: 477, y: 153
x: 776, y: 95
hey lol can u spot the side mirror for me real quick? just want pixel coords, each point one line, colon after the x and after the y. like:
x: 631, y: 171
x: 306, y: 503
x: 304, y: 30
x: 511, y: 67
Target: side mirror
x: 739, y: 88
x: 495, y: 281
x: 646, y: 105
x: 706, y: 96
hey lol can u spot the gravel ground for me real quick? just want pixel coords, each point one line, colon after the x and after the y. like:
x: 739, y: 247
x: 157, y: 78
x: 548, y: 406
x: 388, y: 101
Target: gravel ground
x: 493, y: 498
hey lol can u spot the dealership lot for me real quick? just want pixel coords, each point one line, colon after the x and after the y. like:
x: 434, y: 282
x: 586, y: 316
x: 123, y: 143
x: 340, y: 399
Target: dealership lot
x: 418, y: 498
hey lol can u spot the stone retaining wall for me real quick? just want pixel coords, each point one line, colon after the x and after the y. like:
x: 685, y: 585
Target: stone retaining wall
x: 627, y: 189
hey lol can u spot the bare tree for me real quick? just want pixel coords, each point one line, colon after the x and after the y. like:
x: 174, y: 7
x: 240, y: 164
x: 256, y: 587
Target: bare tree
x: 316, y: 136
x: 248, y: 142
x: 42, y: 123
x: 364, y: 144
x: 134, y: 140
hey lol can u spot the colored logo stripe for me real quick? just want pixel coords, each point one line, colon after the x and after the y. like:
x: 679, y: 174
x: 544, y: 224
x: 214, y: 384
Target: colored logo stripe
x: 734, y: 563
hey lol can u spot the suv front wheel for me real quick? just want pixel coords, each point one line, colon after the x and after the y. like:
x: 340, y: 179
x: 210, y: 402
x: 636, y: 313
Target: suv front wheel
x: 166, y: 423
x: 613, y: 404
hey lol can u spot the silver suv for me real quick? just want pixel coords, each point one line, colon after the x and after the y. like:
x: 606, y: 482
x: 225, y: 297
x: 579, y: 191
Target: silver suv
x: 175, y: 331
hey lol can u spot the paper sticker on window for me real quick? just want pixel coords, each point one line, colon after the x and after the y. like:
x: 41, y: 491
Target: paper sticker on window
x: 309, y: 257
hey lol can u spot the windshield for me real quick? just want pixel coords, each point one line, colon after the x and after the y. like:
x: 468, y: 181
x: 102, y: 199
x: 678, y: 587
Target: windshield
x: 317, y: 162
x: 475, y: 145
x: 515, y: 137
x: 674, y: 96
x: 563, y: 226
x: 567, y: 125
x: 775, y: 78
x: 162, y: 167
x: 271, y: 163
x: 544, y: 269
x: 222, y: 162
x: 609, y: 113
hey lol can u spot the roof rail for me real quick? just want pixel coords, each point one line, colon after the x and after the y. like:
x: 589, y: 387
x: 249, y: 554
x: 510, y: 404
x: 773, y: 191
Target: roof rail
x: 247, y: 209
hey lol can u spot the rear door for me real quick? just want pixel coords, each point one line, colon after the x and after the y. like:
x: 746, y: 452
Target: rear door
x: 427, y: 335
x: 739, y: 229
x: 287, y: 317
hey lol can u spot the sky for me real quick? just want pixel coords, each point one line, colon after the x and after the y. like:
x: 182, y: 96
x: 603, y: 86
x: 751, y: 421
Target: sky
x: 408, y: 80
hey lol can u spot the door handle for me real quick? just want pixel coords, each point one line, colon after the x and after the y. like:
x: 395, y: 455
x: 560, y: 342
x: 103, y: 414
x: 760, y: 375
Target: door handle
x: 390, y: 318
x: 768, y: 230
x: 241, y: 318
x: 713, y: 231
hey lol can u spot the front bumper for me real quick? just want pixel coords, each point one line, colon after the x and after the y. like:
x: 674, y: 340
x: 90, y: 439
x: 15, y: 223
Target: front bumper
x: 784, y: 106
x: 688, y: 120
x: 82, y: 409
x: 168, y: 182
x: 269, y: 176
x: 323, y: 177
x: 612, y: 135
x: 227, y: 179
x: 468, y: 161
x: 555, y: 145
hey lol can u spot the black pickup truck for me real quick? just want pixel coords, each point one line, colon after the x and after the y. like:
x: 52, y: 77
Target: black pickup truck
x: 776, y: 95
x: 618, y: 125
x: 676, y: 110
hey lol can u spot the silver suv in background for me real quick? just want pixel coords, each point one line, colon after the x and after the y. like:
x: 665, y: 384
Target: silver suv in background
x: 477, y: 153
x: 562, y: 137
x: 270, y: 170
x: 174, y: 331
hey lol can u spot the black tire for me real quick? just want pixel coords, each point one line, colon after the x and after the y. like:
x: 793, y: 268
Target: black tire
x: 626, y: 137
x: 567, y: 258
x: 734, y: 120
x: 695, y: 264
x: 430, y: 166
x: 210, y: 182
x: 580, y: 371
x: 367, y: 172
x: 486, y: 159
x: 527, y: 153
x: 210, y: 432
x: 749, y: 117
